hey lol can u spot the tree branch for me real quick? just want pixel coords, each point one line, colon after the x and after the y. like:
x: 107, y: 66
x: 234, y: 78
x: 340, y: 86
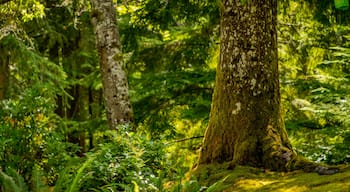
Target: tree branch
x: 185, y: 139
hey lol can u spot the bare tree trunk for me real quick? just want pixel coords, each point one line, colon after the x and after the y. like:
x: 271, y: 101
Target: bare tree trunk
x: 114, y: 79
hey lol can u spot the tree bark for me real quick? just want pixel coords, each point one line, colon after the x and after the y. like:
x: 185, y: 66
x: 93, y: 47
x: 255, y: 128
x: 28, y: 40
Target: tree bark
x: 95, y: 103
x: 82, y: 115
x: 246, y: 125
x: 115, y: 85
x: 4, y: 74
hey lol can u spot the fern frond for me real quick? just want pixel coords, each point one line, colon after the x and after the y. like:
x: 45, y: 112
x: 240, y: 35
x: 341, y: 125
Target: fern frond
x: 9, y: 184
x: 38, y: 184
x: 77, y: 179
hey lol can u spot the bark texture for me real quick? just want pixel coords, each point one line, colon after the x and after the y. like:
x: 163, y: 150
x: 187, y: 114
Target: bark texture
x: 246, y: 125
x: 115, y: 84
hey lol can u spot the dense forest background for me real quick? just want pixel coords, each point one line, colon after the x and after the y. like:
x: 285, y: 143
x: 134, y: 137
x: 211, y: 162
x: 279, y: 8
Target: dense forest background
x: 53, y: 125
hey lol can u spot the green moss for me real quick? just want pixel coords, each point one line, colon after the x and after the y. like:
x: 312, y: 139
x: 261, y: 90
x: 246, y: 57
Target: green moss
x: 218, y: 178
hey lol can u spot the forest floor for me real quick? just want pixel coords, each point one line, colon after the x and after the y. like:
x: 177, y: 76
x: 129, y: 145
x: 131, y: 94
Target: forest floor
x: 250, y: 179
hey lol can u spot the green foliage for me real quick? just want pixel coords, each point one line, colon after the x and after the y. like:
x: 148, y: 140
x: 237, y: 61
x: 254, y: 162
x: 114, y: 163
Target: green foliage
x: 168, y: 36
x: 191, y: 185
x: 37, y: 180
x: 170, y: 96
x: 315, y: 80
x: 23, y: 125
x: 30, y: 68
x: 75, y: 186
x: 24, y: 10
x: 28, y: 135
x: 171, y: 48
x: 11, y: 181
x: 123, y: 162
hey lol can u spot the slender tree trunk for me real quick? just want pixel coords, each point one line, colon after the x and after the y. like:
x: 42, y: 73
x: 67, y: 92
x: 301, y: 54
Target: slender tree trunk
x: 4, y: 75
x: 246, y: 125
x: 95, y: 103
x: 83, y: 116
x: 114, y: 79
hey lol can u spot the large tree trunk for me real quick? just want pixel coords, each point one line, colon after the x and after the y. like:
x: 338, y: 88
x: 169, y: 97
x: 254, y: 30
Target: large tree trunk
x: 115, y: 84
x: 246, y: 125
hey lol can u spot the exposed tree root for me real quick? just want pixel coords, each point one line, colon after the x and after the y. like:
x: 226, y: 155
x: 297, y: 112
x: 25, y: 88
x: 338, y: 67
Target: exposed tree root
x: 300, y: 163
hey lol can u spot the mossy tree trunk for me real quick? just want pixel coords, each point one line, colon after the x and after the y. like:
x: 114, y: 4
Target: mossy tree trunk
x: 115, y: 84
x: 246, y: 125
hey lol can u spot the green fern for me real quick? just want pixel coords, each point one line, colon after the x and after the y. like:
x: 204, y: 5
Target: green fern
x: 38, y: 184
x: 12, y: 181
x: 76, y: 182
x: 217, y: 185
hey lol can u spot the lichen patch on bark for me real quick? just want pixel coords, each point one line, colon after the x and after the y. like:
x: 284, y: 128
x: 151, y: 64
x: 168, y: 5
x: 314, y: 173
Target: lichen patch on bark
x: 114, y: 80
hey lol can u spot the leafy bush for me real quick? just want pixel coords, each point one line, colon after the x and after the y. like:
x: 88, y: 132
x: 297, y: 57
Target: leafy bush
x: 12, y: 181
x: 28, y: 135
x: 123, y: 162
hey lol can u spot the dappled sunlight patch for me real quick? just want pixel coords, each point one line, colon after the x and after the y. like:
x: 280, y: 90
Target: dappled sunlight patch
x: 252, y: 184
x: 339, y: 186
x: 293, y: 189
x: 265, y: 185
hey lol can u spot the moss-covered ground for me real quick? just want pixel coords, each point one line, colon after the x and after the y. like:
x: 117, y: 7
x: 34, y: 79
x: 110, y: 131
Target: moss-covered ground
x: 217, y: 178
